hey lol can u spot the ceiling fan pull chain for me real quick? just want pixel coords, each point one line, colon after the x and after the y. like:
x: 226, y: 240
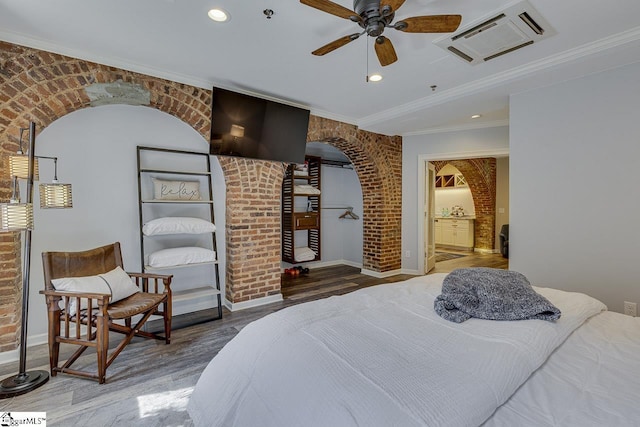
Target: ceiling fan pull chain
x: 367, y: 47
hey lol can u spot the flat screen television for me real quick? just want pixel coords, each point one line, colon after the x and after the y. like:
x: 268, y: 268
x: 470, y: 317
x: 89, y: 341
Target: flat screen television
x: 256, y: 128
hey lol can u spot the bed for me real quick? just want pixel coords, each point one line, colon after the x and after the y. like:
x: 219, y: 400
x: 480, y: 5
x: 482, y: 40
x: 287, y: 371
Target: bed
x: 381, y: 356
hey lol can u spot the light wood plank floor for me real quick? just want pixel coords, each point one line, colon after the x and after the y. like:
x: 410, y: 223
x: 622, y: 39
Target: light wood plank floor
x: 149, y: 384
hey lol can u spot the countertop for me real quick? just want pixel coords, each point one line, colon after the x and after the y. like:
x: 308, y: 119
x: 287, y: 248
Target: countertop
x: 456, y: 217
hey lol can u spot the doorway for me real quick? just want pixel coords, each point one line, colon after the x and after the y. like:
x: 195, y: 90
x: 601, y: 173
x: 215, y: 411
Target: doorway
x: 481, y: 176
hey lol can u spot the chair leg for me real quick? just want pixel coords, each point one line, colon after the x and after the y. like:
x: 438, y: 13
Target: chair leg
x: 102, y: 346
x: 166, y: 309
x: 54, y: 344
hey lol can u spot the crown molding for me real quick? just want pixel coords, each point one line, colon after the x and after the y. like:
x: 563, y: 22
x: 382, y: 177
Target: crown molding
x: 470, y: 126
x: 36, y: 43
x: 500, y: 79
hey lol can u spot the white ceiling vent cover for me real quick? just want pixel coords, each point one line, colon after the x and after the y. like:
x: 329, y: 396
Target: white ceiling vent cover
x: 517, y: 26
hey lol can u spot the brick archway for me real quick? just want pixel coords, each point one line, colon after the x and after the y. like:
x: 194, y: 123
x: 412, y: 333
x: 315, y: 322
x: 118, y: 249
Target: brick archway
x: 377, y: 160
x: 254, y: 190
x: 41, y: 87
x: 480, y: 175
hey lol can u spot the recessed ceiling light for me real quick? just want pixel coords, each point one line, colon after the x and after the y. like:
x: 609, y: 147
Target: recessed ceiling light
x: 375, y: 77
x: 476, y: 116
x: 218, y: 15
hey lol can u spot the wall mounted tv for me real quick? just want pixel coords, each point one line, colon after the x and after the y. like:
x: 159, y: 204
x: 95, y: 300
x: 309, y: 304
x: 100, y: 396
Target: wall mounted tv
x: 256, y: 128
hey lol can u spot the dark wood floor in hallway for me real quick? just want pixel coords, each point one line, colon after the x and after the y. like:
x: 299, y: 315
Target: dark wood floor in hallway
x: 340, y: 279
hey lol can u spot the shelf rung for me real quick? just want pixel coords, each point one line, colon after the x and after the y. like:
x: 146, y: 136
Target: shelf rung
x: 175, y: 172
x: 206, y: 202
x: 196, y: 264
x: 194, y: 293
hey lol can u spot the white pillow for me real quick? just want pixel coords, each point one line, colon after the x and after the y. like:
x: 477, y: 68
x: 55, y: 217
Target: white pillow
x: 177, y: 225
x: 176, y: 190
x: 116, y: 283
x: 180, y: 256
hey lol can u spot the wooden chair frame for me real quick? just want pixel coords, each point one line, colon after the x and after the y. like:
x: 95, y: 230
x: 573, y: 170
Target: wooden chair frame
x: 90, y: 327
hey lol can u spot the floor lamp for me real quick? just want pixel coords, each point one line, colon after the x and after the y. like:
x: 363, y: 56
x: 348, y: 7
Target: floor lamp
x: 16, y: 216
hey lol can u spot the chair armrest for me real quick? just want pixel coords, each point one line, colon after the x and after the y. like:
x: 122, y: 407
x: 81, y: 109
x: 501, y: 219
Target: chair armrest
x: 58, y: 300
x: 144, y: 280
x: 91, y: 295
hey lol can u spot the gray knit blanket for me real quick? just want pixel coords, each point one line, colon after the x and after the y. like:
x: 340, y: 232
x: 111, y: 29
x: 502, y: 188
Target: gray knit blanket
x: 488, y: 293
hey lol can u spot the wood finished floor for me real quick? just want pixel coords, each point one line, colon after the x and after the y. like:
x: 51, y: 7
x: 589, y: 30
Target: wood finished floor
x: 149, y: 383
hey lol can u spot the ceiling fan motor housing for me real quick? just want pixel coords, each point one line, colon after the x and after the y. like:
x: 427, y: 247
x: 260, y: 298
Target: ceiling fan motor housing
x: 373, y: 20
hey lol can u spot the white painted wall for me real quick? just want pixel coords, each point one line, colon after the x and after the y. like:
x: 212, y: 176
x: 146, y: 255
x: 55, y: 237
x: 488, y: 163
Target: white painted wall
x: 340, y: 239
x: 96, y: 150
x: 574, y: 162
x: 437, y: 146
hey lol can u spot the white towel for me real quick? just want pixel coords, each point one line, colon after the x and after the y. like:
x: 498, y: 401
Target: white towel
x: 304, y: 254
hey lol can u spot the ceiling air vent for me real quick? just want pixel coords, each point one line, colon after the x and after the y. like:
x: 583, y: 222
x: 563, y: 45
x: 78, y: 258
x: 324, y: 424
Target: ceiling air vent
x: 515, y: 27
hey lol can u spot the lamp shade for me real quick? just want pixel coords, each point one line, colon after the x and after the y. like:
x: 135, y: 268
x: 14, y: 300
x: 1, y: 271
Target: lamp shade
x: 55, y: 195
x: 16, y: 216
x: 19, y: 166
x: 237, y: 131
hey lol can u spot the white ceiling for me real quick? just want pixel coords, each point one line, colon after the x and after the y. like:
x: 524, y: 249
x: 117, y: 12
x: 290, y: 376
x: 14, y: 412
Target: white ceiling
x: 175, y: 39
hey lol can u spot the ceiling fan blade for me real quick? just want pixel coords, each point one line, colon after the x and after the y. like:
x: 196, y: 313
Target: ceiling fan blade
x: 330, y: 7
x: 429, y: 24
x: 385, y: 51
x: 330, y: 47
x: 393, y: 4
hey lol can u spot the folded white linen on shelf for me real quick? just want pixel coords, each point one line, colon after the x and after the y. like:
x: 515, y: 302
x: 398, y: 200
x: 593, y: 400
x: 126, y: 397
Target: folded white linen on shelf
x: 305, y: 189
x: 304, y: 253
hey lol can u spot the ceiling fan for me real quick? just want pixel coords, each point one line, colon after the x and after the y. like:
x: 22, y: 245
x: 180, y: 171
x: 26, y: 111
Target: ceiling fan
x: 376, y: 15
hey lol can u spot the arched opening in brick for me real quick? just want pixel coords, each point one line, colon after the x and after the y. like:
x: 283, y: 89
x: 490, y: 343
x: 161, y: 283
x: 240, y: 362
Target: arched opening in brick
x: 42, y: 87
x: 377, y: 160
x: 480, y: 175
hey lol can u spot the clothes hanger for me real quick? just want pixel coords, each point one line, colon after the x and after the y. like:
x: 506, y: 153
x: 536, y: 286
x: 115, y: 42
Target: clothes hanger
x: 349, y: 214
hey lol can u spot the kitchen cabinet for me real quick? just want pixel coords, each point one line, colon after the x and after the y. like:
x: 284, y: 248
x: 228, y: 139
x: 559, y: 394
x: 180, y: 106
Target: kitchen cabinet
x: 455, y: 232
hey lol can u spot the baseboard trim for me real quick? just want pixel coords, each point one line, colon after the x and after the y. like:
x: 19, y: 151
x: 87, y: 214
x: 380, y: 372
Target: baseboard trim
x: 380, y: 275
x: 252, y: 303
x: 320, y: 264
x: 14, y: 355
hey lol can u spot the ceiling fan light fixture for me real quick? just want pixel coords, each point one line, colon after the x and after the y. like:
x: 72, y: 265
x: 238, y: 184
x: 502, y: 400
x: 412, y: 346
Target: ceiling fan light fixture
x: 476, y: 116
x: 219, y: 15
x: 375, y: 77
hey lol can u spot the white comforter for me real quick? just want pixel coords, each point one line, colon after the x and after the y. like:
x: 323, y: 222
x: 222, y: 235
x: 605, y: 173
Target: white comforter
x: 593, y: 379
x: 379, y: 356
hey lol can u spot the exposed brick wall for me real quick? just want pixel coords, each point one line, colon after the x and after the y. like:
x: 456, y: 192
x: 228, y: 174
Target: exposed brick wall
x: 253, y: 228
x: 377, y: 159
x: 10, y: 290
x: 481, y: 177
x: 41, y: 87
